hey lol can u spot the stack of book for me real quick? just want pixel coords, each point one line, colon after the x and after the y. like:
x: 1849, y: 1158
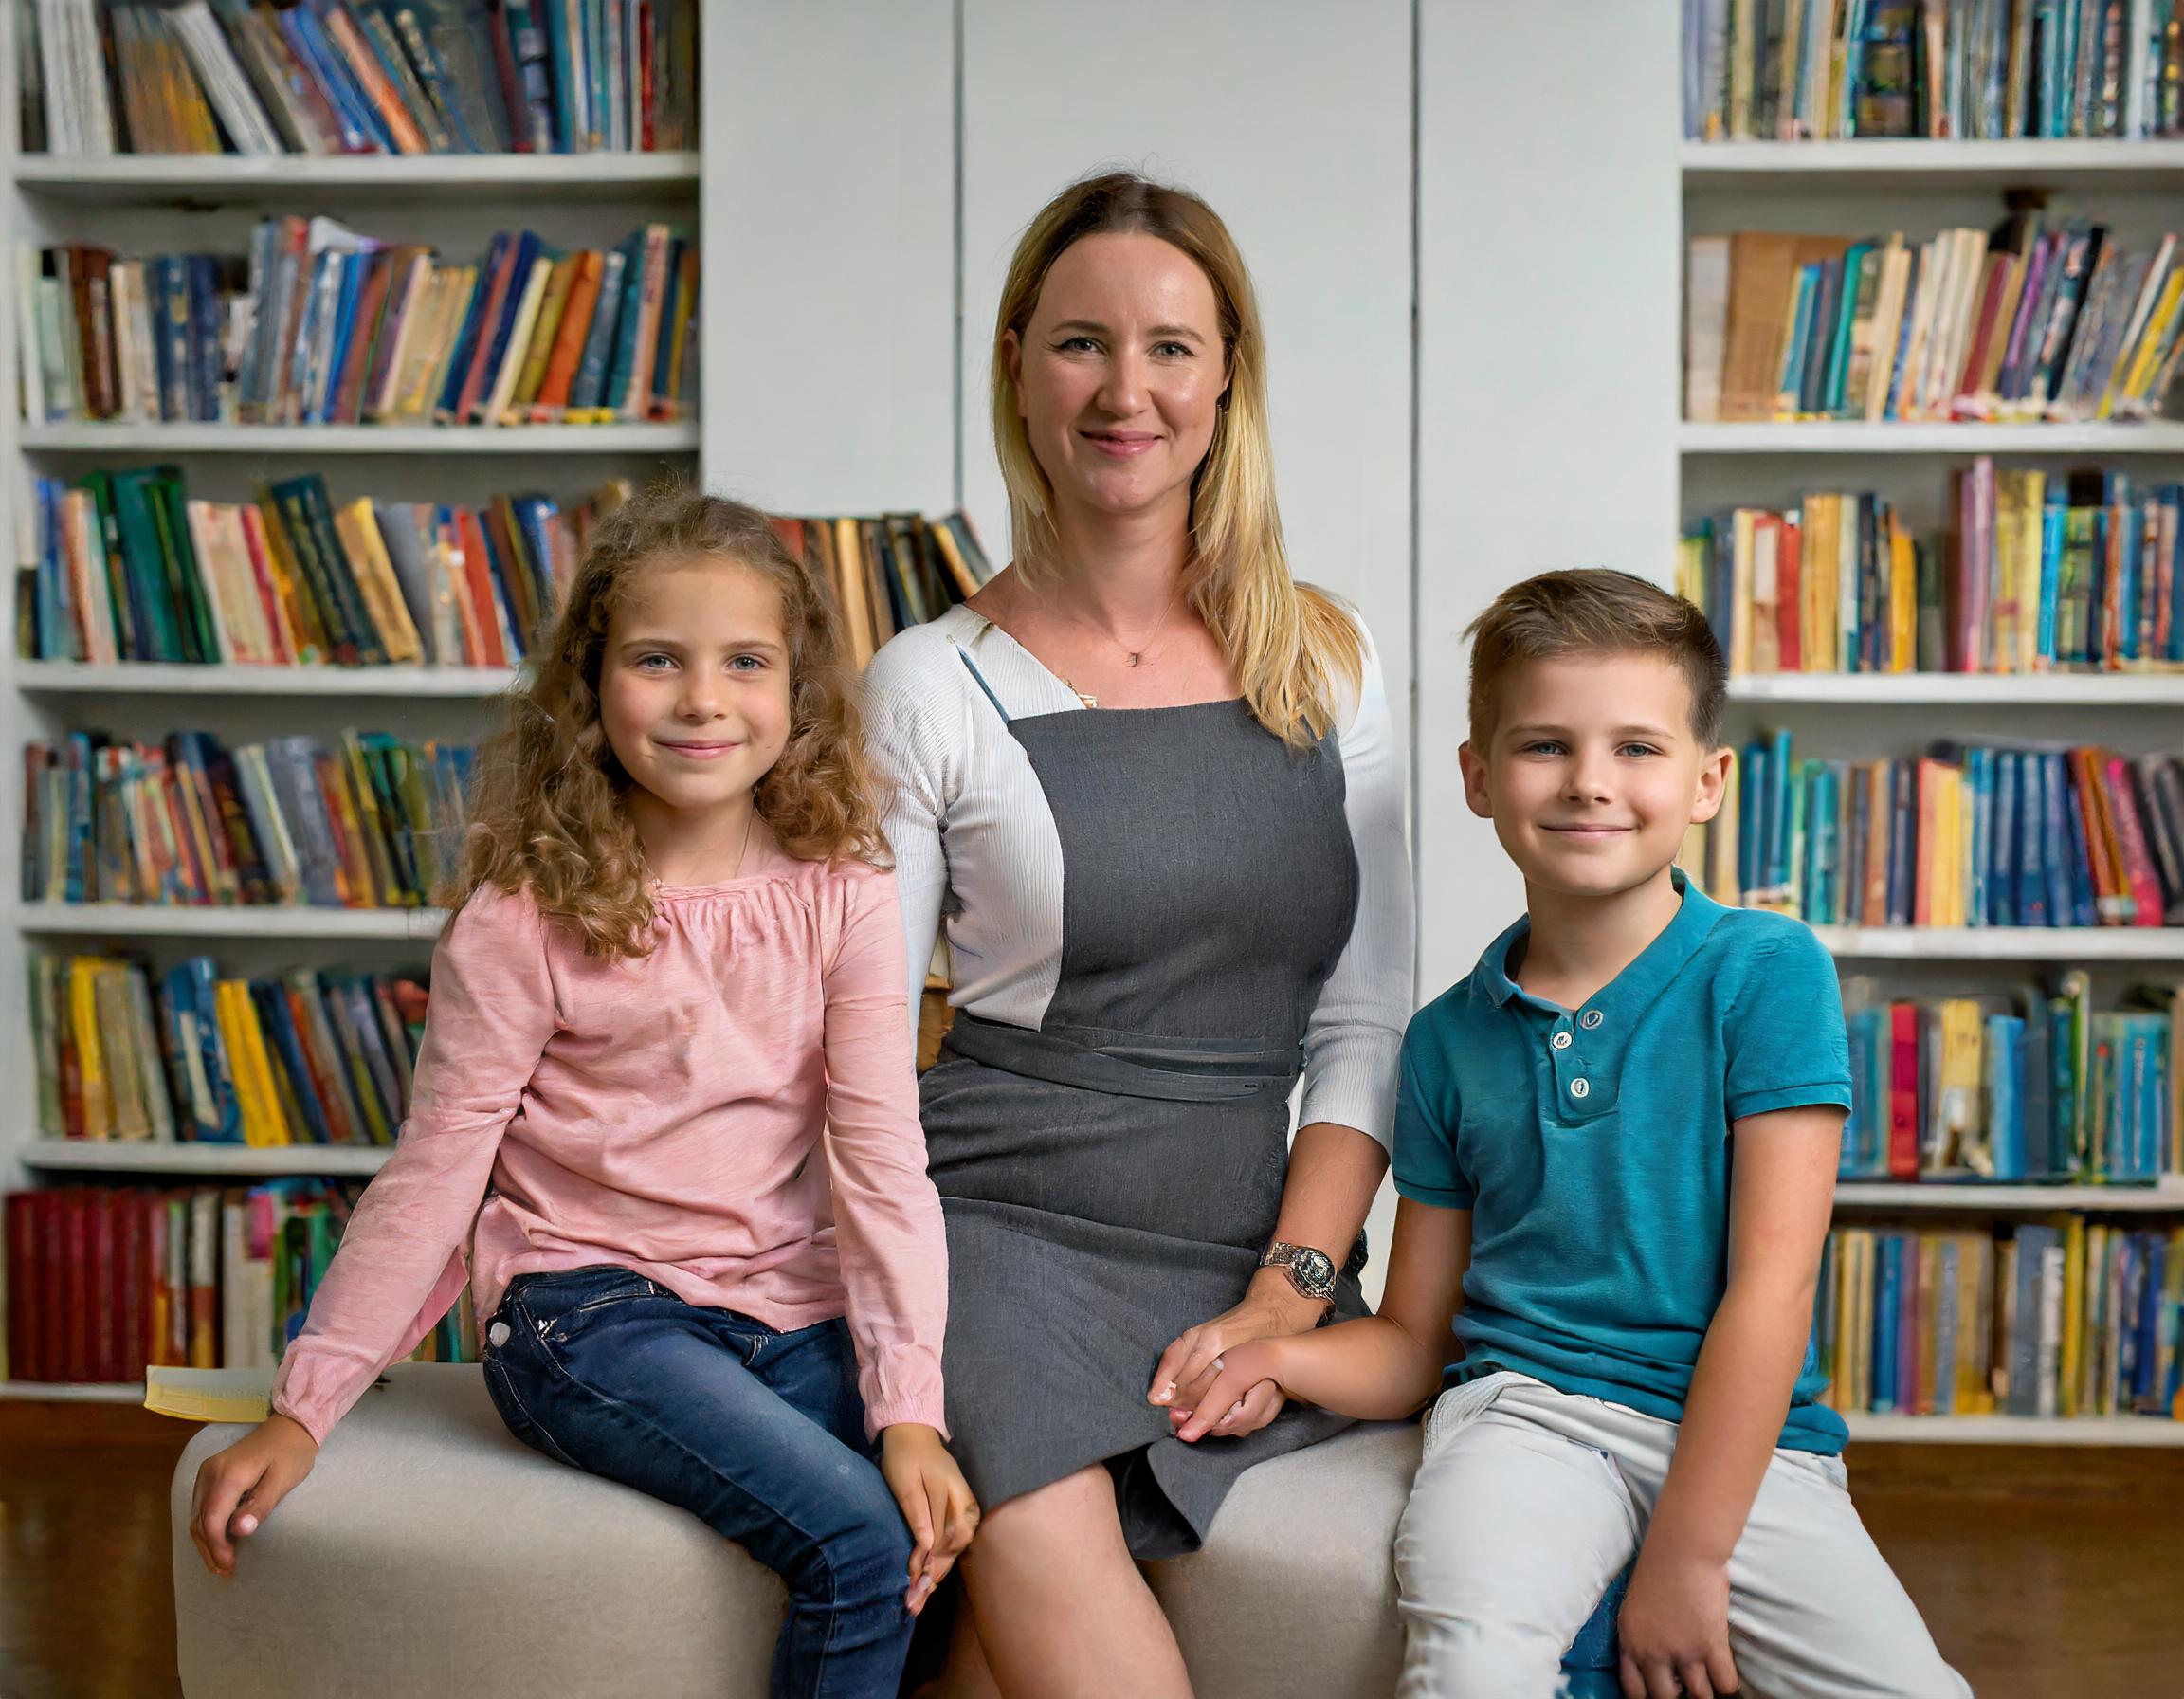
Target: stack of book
x: 306, y: 1057
x: 359, y: 76
x: 1972, y: 70
x: 2018, y: 1084
x: 337, y: 328
x: 2073, y: 1320
x: 889, y: 573
x: 2073, y: 570
x: 126, y: 567
x: 373, y: 822
x: 2029, y: 324
x: 1967, y: 834
x: 102, y: 1282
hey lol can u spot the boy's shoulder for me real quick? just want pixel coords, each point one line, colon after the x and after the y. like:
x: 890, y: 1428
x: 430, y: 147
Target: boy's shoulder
x: 1750, y: 944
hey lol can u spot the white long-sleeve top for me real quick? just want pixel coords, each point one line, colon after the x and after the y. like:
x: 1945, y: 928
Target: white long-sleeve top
x: 975, y: 848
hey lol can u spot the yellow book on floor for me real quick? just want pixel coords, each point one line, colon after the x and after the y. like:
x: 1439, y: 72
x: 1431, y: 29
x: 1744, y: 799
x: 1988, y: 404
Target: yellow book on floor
x: 209, y: 1395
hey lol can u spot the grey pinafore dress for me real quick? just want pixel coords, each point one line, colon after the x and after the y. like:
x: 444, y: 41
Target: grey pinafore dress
x: 1110, y: 1179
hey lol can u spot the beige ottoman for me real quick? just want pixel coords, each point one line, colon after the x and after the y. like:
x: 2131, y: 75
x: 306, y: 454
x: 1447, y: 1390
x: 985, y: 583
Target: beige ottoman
x: 431, y: 1554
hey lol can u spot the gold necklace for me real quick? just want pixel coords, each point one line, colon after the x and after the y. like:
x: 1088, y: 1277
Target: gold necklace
x: 1133, y: 655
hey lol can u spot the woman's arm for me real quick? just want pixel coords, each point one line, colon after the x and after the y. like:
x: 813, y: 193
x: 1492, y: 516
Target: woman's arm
x: 906, y: 760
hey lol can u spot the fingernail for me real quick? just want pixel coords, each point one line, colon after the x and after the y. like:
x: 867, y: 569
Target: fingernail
x: 1165, y: 1394
x: 247, y: 1526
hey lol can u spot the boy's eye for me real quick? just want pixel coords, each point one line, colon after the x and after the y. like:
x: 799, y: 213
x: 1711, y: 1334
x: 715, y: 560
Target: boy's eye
x: 1638, y: 749
x: 1541, y: 746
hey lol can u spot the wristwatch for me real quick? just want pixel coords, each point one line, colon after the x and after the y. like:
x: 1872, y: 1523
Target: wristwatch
x: 1312, y: 1273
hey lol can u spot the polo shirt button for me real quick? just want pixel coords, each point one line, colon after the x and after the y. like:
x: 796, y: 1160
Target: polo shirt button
x: 1560, y: 1041
x: 1580, y: 1087
x: 1590, y: 1018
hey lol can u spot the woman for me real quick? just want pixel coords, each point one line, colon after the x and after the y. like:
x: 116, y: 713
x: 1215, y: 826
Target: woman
x: 1151, y: 784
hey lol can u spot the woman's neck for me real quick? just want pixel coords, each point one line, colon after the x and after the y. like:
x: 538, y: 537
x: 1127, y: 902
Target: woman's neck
x: 693, y: 846
x: 1119, y: 571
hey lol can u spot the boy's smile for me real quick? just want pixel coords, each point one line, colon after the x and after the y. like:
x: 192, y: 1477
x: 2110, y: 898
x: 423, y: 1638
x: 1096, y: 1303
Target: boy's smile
x: 1593, y: 773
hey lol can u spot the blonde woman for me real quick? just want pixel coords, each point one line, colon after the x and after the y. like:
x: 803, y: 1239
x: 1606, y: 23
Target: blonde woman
x: 1149, y: 782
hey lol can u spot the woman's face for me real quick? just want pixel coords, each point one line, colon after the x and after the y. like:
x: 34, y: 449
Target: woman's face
x: 1119, y: 373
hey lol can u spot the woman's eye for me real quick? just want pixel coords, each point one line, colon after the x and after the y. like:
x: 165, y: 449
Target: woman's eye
x: 1078, y: 345
x: 1174, y: 350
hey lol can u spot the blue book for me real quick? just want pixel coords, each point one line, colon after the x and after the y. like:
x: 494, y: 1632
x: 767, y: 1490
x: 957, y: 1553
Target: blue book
x: 1750, y: 773
x: 622, y: 370
x: 2032, y: 844
x: 2148, y: 1392
x: 2150, y: 1085
x: 2002, y: 886
x: 2084, y: 910
x: 467, y: 338
x: 1903, y: 834
x: 279, y: 1025
x: 1778, y: 774
x: 556, y: 18
x: 2172, y: 500
x: 1978, y: 781
x: 2006, y: 1094
x: 330, y: 70
x: 497, y: 334
x: 353, y: 267
x: 2054, y: 519
x: 616, y: 286
x: 664, y: 344
x: 2055, y: 838
x: 1790, y: 381
x: 2063, y: 1057
x: 1887, y: 1298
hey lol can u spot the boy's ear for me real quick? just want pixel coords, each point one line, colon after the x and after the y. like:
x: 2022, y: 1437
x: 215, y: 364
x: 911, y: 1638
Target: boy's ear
x: 1713, y: 785
x: 1475, y: 789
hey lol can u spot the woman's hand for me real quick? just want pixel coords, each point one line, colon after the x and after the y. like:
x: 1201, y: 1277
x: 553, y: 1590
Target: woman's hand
x: 1674, y: 1628
x: 935, y: 1500
x: 237, y: 1488
x: 1184, y: 1378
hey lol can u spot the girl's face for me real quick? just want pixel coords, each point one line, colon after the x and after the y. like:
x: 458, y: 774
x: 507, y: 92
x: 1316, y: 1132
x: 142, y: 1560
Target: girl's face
x: 1119, y: 373
x: 694, y: 685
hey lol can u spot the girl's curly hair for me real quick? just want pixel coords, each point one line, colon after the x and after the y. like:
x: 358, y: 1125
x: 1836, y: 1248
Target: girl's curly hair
x: 546, y: 806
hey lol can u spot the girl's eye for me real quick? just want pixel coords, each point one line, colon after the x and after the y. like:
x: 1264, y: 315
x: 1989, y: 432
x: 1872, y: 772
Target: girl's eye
x: 746, y: 664
x: 654, y: 663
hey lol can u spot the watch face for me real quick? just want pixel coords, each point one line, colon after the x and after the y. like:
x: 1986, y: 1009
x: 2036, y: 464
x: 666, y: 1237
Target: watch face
x: 1314, y: 1271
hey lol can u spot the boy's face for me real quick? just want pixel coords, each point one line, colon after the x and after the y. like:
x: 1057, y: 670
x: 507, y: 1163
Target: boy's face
x: 1593, y: 772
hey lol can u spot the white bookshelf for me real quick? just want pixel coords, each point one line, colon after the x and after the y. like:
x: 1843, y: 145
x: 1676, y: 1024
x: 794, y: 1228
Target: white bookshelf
x: 270, y: 921
x: 312, y: 441
x: 236, y: 180
x: 75, y: 1392
x: 1916, y: 185
x: 2147, y: 1431
x: 1882, y: 1197
x: 107, y: 1155
x: 73, y: 678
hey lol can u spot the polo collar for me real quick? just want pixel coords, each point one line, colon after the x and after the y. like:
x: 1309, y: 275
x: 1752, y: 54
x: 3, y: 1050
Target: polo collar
x: 1637, y: 985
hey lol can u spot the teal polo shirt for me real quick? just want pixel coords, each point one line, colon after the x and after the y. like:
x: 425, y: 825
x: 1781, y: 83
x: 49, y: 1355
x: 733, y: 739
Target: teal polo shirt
x: 1591, y: 1148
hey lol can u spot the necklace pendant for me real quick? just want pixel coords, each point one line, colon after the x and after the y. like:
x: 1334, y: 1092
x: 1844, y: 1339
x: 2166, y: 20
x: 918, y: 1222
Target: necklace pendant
x: 1135, y: 657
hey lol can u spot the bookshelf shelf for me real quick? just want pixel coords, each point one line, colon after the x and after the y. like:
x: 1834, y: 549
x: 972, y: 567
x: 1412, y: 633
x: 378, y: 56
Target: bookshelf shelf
x: 2005, y: 943
x: 69, y: 678
x: 1961, y: 689
x: 101, y: 1156
x: 2013, y: 1430
x: 121, y: 919
x: 231, y: 179
x: 313, y: 441
x: 2157, y: 436
x: 2168, y: 1195
x: 1879, y: 165
x: 75, y: 1392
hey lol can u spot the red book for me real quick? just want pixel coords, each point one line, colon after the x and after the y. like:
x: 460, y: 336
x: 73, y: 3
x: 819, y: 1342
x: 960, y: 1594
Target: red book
x: 348, y: 388
x: 74, y: 1291
x: 105, y: 1286
x: 2131, y: 837
x: 26, y: 1345
x: 52, y: 1305
x: 1904, y: 1091
x: 2111, y: 888
x: 478, y: 572
x: 132, y: 1345
x: 1789, y: 616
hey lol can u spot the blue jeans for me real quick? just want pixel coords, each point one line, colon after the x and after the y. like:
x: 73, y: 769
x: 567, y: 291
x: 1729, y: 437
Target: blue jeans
x: 759, y: 1433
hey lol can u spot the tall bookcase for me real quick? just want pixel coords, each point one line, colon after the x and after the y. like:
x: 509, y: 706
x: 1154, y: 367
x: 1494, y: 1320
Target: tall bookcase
x: 1919, y: 187
x: 152, y: 204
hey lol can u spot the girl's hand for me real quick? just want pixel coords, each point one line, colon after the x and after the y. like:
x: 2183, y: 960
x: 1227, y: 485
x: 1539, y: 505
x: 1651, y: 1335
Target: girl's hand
x: 935, y: 1500
x: 1240, y: 1392
x: 1674, y: 1628
x: 237, y: 1488
x: 1184, y: 1377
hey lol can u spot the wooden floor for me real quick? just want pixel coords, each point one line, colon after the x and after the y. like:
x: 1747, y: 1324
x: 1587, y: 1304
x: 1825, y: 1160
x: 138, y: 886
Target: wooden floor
x: 2042, y: 1573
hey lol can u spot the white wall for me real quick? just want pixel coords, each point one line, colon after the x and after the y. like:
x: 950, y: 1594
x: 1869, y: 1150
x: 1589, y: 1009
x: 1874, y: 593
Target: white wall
x: 1292, y: 118
x: 1548, y: 365
x: 828, y: 217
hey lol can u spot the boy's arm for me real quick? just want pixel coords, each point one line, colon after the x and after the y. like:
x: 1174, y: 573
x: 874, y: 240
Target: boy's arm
x: 1781, y: 1195
x: 1382, y: 1367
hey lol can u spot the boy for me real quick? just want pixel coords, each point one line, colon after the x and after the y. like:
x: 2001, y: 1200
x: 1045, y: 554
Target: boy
x: 1634, y: 1303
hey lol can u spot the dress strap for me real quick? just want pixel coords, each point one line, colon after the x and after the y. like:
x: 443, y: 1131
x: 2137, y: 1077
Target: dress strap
x: 963, y: 656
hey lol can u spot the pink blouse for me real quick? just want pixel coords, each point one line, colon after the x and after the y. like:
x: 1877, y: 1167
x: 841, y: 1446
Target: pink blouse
x: 662, y: 1113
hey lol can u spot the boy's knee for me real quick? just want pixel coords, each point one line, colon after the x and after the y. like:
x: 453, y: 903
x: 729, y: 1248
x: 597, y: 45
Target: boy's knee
x: 1451, y: 1655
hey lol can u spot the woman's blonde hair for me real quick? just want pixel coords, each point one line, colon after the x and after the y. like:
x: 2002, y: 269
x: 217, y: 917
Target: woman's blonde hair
x: 1296, y: 653
x: 546, y: 807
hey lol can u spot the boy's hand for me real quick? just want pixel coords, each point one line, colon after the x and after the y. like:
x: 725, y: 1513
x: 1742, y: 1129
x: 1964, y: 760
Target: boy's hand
x: 1272, y: 1309
x: 1674, y: 1628
x: 935, y: 1500
x: 237, y: 1488
x: 1240, y: 1392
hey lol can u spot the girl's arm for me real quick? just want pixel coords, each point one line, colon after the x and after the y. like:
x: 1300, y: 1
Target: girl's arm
x: 1782, y: 1185
x: 1383, y: 1366
x: 886, y: 1213
x: 1351, y: 1040
x: 400, y: 1266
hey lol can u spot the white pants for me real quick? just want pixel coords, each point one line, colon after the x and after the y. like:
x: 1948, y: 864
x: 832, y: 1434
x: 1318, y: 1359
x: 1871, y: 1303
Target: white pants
x: 1530, y: 1501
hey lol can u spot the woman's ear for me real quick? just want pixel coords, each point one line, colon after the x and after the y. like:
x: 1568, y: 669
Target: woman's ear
x: 1012, y: 362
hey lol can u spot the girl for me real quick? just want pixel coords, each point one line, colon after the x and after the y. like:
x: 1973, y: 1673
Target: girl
x: 674, y: 979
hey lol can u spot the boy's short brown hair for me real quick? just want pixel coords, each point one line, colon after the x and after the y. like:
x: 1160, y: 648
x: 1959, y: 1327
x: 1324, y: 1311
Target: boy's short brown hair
x: 1593, y: 611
